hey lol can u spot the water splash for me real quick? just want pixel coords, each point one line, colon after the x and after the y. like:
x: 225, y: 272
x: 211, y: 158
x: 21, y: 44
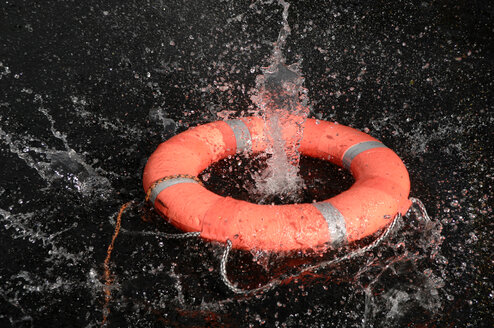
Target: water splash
x: 283, y: 102
x: 398, y: 280
x: 392, y: 276
x: 361, y: 66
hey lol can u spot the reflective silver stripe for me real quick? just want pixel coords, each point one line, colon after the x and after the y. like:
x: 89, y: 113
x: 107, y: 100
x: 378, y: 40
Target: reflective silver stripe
x: 165, y: 184
x: 335, y: 221
x: 242, y: 135
x: 357, y: 149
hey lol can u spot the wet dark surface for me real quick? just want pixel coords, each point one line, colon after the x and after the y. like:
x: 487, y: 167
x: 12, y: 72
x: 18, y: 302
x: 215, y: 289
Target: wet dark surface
x: 89, y: 89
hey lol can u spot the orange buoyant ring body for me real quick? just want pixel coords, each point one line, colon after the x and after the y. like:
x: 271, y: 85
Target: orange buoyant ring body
x: 379, y: 193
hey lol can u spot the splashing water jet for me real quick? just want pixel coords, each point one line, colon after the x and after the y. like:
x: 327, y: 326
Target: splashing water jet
x: 283, y: 102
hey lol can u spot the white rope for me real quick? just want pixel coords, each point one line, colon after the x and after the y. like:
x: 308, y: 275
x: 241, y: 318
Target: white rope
x: 277, y: 281
x: 163, y: 234
x: 353, y: 254
x: 423, y: 211
x: 224, y: 260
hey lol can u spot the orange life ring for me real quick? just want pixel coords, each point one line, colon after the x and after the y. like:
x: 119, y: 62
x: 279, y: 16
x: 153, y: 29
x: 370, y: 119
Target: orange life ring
x: 379, y: 193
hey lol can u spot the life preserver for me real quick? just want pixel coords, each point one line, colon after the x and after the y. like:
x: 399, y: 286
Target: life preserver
x: 379, y: 193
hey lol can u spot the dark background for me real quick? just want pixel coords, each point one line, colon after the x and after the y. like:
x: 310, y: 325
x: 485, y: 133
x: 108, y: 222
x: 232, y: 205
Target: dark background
x: 88, y: 89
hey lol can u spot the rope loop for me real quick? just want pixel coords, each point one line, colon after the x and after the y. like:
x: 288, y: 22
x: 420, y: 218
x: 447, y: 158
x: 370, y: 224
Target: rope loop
x: 277, y: 281
x: 422, y: 209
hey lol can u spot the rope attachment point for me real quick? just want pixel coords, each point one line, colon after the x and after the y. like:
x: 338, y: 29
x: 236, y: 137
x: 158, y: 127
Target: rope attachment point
x: 170, y: 177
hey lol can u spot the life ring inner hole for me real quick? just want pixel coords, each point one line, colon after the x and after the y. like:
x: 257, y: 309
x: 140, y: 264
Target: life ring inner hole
x: 233, y: 177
